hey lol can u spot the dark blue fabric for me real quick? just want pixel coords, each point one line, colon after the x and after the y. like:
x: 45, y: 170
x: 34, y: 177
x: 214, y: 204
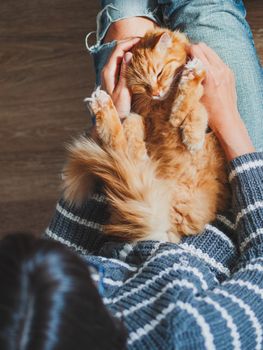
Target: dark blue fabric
x: 204, y: 293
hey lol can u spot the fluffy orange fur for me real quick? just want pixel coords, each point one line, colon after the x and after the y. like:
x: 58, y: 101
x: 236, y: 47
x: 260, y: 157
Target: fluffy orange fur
x: 164, y: 176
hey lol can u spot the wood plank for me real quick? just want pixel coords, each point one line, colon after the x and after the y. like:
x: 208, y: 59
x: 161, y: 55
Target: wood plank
x: 45, y: 74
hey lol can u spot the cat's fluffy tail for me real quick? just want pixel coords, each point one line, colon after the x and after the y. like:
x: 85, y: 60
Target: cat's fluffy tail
x: 139, y: 202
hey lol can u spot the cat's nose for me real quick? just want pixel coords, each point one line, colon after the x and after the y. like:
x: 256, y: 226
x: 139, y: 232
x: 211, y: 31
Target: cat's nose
x: 157, y: 94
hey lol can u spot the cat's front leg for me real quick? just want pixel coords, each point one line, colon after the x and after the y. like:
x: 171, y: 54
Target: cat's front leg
x: 194, y: 128
x: 187, y: 112
x: 108, y: 124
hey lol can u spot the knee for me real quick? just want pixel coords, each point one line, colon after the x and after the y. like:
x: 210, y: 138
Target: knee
x: 121, y: 19
x: 128, y: 27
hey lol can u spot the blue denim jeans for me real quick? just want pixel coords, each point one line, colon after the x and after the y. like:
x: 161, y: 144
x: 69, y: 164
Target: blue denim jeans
x: 219, y: 23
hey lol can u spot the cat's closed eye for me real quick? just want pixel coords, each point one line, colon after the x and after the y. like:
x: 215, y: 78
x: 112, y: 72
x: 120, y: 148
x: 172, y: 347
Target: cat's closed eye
x: 160, y: 73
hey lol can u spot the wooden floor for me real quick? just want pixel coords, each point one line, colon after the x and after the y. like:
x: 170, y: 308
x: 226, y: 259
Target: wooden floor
x: 45, y: 72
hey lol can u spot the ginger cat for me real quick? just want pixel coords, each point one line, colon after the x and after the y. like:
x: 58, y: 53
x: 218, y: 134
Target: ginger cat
x: 163, y: 175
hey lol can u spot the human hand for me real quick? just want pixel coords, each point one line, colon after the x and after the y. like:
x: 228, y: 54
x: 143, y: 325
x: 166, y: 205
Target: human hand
x: 220, y: 100
x: 113, y: 76
x: 220, y: 97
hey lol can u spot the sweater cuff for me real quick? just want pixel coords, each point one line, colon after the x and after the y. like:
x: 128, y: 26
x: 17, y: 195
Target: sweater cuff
x: 247, y: 164
x: 246, y: 178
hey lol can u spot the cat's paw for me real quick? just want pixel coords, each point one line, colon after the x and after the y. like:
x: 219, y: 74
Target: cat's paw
x: 108, y: 125
x: 196, y: 66
x: 193, y: 69
x: 98, y: 101
x: 193, y: 144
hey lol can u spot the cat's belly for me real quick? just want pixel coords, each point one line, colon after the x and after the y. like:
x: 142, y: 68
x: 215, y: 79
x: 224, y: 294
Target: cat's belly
x: 198, y: 182
x: 175, y: 161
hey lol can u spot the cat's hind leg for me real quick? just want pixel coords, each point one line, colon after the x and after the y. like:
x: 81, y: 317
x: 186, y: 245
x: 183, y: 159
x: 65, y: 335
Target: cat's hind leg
x: 191, y: 209
x: 108, y: 124
x: 134, y: 131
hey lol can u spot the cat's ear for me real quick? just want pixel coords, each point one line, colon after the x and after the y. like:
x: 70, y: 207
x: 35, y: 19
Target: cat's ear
x: 164, y: 42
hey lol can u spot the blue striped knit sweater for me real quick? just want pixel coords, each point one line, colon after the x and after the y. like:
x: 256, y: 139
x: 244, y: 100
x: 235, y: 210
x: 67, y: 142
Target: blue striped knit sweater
x: 204, y: 293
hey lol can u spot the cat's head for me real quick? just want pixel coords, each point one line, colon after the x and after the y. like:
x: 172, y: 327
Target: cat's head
x: 155, y: 63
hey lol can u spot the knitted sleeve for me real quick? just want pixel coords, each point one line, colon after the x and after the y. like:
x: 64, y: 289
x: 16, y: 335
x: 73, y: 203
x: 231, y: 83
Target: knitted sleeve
x: 246, y: 178
x: 80, y: 228
x: 230, y: 315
